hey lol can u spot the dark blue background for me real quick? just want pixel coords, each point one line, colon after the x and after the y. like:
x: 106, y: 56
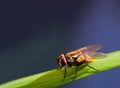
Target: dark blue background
x: 32, y: 34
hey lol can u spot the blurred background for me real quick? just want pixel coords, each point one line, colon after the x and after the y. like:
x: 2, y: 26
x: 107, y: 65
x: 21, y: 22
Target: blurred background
x: 34, y: 33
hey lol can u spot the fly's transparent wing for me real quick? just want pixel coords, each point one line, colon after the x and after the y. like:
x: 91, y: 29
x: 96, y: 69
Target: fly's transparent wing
x: 91, y: 48
x: 96, y: 55
x: 99, y: 55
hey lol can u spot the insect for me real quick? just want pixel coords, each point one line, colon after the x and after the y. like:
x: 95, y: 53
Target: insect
x: 80, y: 56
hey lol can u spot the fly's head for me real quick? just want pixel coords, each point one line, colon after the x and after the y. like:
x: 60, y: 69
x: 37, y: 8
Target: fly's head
x: 62, y: 60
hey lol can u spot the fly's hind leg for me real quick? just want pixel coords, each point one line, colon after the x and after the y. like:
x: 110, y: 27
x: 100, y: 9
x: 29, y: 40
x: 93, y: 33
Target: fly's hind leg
x: 92, y: 67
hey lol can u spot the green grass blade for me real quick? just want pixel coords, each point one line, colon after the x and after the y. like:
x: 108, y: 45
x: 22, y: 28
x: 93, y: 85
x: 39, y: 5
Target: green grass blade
x: 54, y: 78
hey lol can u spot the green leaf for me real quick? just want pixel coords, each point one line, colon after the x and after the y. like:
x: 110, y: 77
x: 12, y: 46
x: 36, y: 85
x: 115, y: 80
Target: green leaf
x: 54, y: 78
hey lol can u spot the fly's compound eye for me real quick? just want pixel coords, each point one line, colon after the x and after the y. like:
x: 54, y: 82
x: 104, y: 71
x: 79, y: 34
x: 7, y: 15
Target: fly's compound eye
x: 62, y: 60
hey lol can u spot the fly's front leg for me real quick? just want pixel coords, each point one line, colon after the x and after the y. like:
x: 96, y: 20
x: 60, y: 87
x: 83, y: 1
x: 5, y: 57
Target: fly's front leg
x: 64, y: 73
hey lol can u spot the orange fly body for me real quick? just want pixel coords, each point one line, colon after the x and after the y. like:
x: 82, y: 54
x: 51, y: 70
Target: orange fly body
x: 80, y: 56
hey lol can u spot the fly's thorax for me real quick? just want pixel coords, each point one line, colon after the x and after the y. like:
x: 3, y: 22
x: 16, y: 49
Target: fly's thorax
x: 72, y: 56
x: 71, y: 53
x: 62, y: 60
x: 74, y: 53
x: 70, y: 59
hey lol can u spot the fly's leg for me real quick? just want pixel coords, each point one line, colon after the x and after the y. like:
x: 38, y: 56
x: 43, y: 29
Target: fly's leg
x: 64, y: 73
x: 76, y: 71
x: 92, y: 67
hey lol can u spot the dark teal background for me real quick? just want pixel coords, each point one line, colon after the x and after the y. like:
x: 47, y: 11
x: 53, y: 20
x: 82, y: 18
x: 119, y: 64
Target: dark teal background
x: 34, y: 33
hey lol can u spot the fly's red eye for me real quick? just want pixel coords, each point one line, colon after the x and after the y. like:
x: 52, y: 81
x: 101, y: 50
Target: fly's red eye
x: 62, y: 60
